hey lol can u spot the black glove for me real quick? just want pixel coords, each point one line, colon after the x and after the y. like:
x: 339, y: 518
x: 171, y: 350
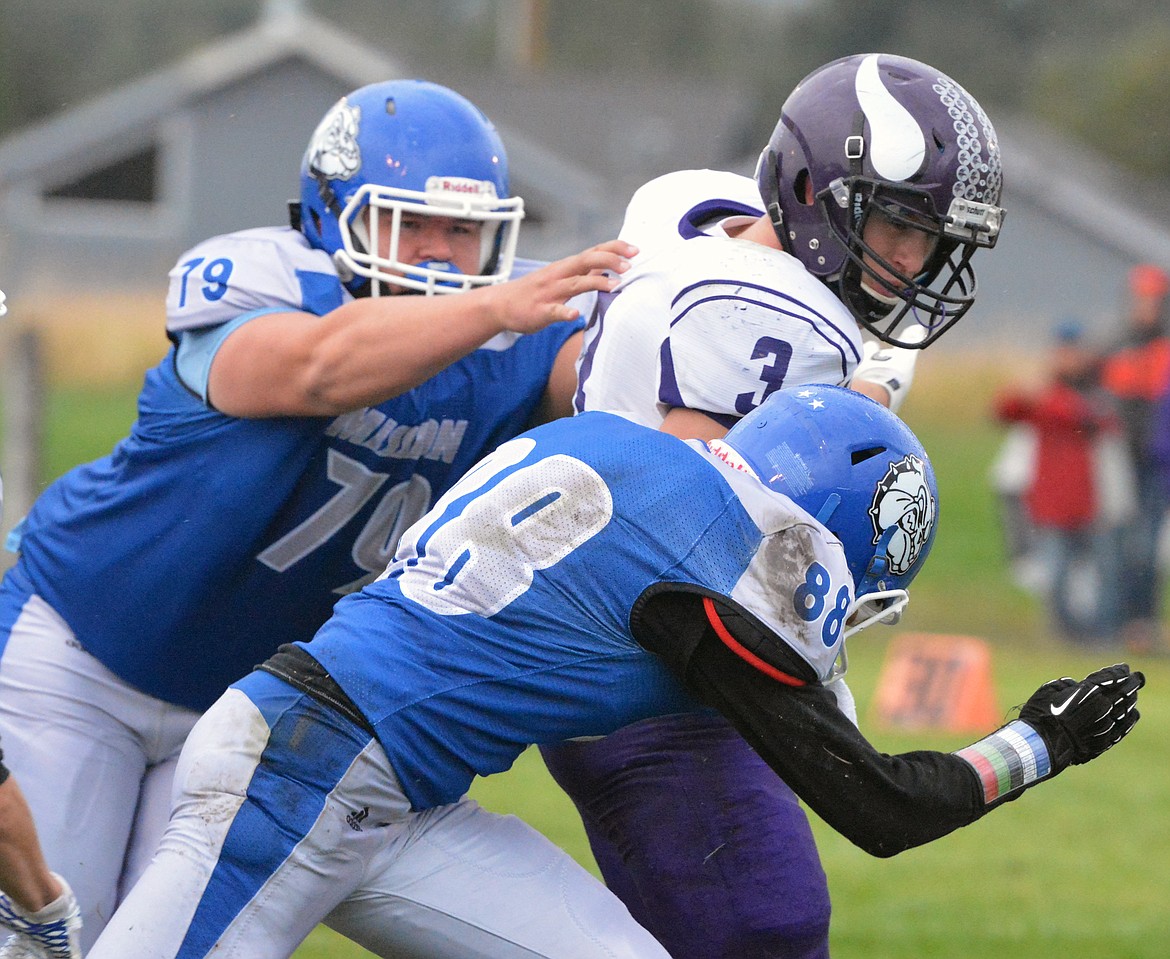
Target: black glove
x: 1079, y: 721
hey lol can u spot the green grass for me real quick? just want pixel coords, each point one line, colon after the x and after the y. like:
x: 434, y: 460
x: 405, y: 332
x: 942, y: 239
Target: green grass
x: 82, y: 424
x: 1079, y: 867
x: 1075, y: 867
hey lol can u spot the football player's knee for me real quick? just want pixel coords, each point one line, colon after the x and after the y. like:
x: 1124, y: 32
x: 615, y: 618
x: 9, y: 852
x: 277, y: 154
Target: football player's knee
x: 791, y: 944
x: 789, y: 937
x: 795, y: 928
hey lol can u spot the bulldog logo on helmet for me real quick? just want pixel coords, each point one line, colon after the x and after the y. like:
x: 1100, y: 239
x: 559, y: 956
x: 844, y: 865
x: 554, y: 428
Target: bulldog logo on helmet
x: 333, y: 151
x: 903, y: 511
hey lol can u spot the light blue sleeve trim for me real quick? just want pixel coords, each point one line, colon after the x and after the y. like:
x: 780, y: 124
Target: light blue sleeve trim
x: 12, y: 542
x: 197, y: 348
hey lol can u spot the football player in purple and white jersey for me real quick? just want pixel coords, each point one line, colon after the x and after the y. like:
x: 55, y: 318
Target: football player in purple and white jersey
x: 584, y: 576
x: 848, y: 253
x: 308, y: 412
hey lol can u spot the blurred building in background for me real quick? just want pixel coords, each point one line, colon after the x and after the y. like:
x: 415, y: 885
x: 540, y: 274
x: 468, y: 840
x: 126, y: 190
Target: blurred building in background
x: 102, y: 197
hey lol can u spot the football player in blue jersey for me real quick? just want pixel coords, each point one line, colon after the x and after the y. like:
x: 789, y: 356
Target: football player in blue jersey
x: 847, y: 253
x: 309, y: 411
x: 585, y: 575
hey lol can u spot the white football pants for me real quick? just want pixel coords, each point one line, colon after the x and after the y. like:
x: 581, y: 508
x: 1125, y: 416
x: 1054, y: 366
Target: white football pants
x: 94, y: 757
x: 287, y: 815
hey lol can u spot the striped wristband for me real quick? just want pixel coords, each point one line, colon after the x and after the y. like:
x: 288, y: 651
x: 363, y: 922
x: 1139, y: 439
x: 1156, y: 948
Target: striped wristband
x: 1009, y: 759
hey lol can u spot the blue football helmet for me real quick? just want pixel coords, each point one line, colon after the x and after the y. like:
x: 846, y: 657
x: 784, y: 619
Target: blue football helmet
x: 859, y: 470
x: 406, y: 145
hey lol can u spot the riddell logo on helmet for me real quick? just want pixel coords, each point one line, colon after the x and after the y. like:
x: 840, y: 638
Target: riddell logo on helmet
x: 454, y: 184
x: 726, y: 454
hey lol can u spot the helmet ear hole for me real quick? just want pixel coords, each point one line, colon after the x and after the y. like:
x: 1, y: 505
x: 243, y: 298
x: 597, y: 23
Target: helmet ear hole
x: 802, y: 187
x: 860, y: 456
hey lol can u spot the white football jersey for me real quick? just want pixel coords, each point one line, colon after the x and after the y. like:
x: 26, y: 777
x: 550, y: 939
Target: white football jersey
x: 705, y: 321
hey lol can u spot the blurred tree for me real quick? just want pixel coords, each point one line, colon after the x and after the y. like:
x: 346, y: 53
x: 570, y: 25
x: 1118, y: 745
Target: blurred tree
x: 1114, y: 100
x: 626, y: 37
x: 7, y: 87
x: 1088, y: 68
x: 57, y: 53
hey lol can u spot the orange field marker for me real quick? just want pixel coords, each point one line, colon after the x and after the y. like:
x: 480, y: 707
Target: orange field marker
x: 938, y: 682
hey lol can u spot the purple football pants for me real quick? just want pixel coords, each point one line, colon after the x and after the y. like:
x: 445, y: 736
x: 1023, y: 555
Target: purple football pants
x: 704, y: 843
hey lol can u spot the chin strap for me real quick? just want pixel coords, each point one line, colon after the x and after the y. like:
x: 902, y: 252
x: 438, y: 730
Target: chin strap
x: 872, y: 600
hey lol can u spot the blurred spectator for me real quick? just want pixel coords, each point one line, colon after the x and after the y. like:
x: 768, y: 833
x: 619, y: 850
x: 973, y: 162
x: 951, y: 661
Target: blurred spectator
x: 1011, y: 474
x: 1160, y: 454
x: 1079, y: 490
x: 1137, y: 373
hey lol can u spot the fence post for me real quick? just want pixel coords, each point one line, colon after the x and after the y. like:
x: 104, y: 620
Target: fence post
x: 23, y: 390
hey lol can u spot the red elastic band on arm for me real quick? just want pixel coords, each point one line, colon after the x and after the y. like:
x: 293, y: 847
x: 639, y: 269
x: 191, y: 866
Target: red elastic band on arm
x: 743, y: 653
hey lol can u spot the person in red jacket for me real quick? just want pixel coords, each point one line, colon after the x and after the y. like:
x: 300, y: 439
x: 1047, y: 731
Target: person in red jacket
x: 1065, y: 499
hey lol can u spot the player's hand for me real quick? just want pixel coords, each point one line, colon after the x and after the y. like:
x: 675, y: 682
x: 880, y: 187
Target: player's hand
x: 53, y: 933
x: 889, y: 367
x: 532, y: 302
x: 1079, y: 721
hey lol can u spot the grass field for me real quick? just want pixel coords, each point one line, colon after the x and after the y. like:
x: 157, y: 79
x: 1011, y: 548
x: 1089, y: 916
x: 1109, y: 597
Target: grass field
x: 1080, y: 867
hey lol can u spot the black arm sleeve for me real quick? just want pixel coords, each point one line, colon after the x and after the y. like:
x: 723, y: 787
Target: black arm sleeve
x: 884, y: 804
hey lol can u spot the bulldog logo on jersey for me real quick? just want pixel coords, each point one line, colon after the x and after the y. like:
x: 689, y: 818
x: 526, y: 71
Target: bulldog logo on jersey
x: 903, y: 510
x: 333, y: 151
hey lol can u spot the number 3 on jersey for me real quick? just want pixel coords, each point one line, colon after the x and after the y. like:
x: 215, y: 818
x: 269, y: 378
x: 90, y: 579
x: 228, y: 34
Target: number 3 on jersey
x: 772, y: 375
x: 477, y: 555
x: 812, y: 596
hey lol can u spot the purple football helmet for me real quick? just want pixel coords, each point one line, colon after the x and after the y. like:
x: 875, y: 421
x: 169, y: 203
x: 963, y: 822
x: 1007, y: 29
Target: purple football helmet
x: 881, y: 135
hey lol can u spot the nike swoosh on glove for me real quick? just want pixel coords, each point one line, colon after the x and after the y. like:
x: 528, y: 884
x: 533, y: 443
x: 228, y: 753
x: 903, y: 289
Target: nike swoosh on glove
x: 1080, y: 720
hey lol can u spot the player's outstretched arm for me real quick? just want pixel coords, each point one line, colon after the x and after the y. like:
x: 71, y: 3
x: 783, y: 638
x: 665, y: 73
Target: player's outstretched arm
x: 886, y: 804
x: 537, y: 299
x: 371, y: 349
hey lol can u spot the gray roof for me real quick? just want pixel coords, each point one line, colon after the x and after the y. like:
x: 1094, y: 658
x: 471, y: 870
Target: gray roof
x: 1085, y: 191
x: 580, y: 145
x: 625, y: 129
x: 98, y: 131
x: 125, y: 111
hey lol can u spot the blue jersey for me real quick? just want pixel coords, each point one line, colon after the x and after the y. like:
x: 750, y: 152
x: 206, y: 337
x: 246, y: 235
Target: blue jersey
x: 504, y: 619
x: 204, y: 541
